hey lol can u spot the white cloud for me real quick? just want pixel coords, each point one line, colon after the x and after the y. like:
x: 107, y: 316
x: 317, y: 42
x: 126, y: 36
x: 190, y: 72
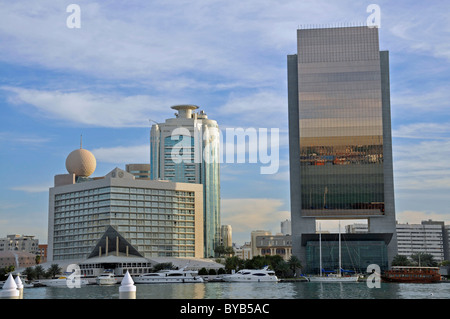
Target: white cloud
x: 123, y: 154
x: 423, y: 131
x: 416, y: 217
x: 102, y: 110
x: 41, y: 188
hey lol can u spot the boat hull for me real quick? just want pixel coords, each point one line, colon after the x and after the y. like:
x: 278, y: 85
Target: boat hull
x: 334, y: 279
x: 166, y: 280
x: 250, y: 279
x: 412, y: 275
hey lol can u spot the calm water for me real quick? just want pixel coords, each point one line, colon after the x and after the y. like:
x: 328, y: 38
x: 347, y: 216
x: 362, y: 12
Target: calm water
x: 219, y: 290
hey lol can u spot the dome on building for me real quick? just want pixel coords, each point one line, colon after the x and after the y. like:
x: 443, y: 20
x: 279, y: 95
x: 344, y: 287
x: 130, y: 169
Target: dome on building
x: 81, y: 162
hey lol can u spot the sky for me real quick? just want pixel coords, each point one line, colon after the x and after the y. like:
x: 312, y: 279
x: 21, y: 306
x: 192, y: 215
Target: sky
x: 128, y: 62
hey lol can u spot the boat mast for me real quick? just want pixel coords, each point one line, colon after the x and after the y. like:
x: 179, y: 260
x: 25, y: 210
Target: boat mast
x: 320, y: 250
x: 340, y: 257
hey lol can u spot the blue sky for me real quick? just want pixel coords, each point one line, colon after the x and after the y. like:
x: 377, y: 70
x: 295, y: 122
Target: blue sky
x: 129, y: 63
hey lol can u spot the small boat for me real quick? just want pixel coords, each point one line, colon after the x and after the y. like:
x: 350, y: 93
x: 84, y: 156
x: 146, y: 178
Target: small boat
x: 68, y: 281
x: 169, y: 276
x: 106, y: 278
x: 408, y: 274
x: 252, y: 275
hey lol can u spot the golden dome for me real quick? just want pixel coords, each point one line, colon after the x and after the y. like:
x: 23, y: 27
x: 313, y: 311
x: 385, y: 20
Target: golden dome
x: 81, y: 162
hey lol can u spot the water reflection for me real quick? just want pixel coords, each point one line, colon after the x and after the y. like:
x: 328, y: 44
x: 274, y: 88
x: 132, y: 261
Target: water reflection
x: 306, y: 290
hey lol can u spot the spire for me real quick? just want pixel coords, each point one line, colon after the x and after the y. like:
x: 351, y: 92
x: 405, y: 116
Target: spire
x: 81, y: 141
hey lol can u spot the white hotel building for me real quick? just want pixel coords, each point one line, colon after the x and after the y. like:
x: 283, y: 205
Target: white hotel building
x: 119, y: 214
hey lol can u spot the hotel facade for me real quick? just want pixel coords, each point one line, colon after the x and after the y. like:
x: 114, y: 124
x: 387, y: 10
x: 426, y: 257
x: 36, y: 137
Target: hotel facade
x: 122, y: 214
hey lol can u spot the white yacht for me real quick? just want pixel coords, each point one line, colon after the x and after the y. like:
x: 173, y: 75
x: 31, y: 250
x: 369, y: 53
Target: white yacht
x: 69, y: 281
x: 106, y: 278
x: 252, y: 275
x: 169, y: 276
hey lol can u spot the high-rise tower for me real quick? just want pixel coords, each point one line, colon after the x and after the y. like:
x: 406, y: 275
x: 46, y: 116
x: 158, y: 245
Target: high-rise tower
x: 340, y: 138
x: 186, y: 149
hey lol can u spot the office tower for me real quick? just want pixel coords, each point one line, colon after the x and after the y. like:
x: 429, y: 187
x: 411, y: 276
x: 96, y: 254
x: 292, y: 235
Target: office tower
x: 226, y: 235
x: 340, y: 138
x: 120, y: 214
x: 186, y: 149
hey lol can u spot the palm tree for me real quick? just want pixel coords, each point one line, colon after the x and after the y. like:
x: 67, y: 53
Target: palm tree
x: 39, y: 272
x: 54, y: 271
x: 424, y: 260
x: 401, y: 260
x: 294, y: 263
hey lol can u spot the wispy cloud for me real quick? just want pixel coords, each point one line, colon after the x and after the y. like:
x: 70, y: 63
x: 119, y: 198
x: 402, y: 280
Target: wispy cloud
x: 85, y: 108
x: 123, y: 154
x: 41, y: 188
x: 436, y: 131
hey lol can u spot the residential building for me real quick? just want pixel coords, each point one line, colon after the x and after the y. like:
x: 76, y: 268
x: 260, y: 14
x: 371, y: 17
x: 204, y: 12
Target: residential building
x: 427, y: 237
x: 17, y: 242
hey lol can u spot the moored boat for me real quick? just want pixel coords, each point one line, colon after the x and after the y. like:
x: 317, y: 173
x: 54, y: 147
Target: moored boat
x: 169, y: 276
x: 70, y: 281
x: 408, y: 274
x: 252, y: 275
x: 106, y: 278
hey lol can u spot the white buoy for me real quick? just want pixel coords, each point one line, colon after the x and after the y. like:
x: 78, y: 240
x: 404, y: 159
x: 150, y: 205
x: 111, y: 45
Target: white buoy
x: 9, y: 290
x: 19, y: 284
x: 127, y: 289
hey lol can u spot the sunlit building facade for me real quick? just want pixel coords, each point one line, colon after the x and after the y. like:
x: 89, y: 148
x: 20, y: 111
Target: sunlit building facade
x: 186, y: 149
x: 340, y: 133
x: 118, y: 213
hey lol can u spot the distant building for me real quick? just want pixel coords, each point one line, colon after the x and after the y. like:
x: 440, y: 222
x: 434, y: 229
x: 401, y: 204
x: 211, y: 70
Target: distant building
x: 226, y: 236
x: 274, y: 245
x: 121, y: 214
x: 140, y: 171
x: 18, y: 259
x: 43, y: 253
x: 253, y: 235
x: 356, y: 228
x: 23, y: 243
x: 430, y: 237
x: 427, y: 237
x: 286, y: 227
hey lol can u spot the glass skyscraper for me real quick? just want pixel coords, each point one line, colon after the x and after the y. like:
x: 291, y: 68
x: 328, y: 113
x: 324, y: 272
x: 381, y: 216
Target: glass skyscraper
x: 340, y: 133
x: 186, y: 149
